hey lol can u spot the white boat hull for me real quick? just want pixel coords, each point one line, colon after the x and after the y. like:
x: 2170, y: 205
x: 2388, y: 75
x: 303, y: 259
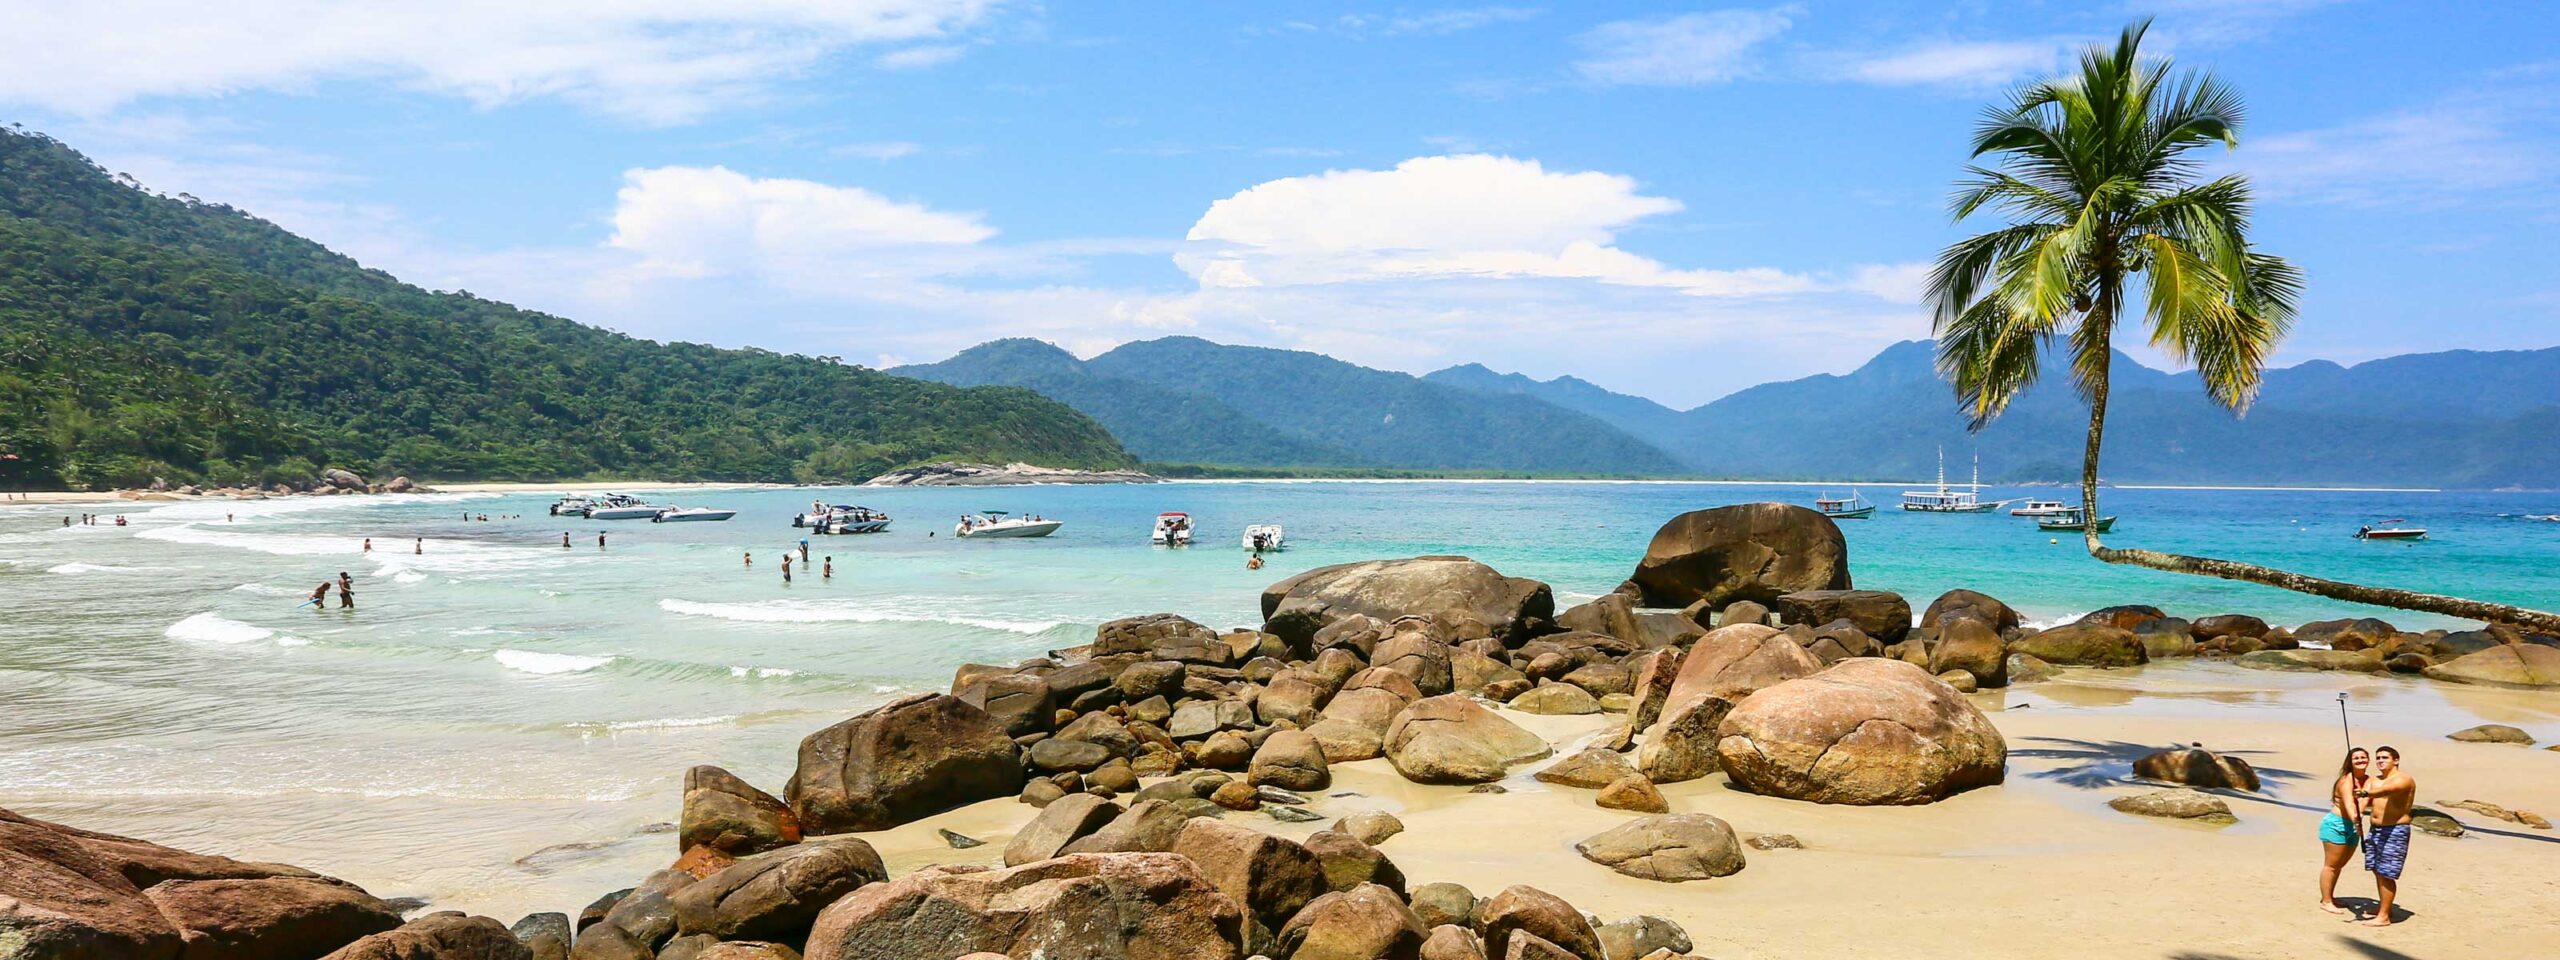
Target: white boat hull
x: 1010, y: 529
x: 853, y: 526
x: 690, y: 516
x: 1272, y: 537
x: 624, y: 513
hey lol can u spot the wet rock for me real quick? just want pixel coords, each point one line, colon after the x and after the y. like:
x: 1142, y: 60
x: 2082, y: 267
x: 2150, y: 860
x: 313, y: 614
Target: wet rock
x: 545, y: 935
x: 2491, y: 733
x: 2029, y: 668
x: 777, y: 895
x: 2307, y: 660
x: 1967, y: 603
x: 2166, y: 638
x: 1139, y: 906
x: 912, y: 758
x: 1450, y: 739
x: 1755, y: 551
x: 2088, y: 643
x: 1867, y: 731
x: 255, y: 918
x: 1069, y: 819
x: 2178, y: 804
x: 647, y: 916
x: 2435, y: 823
x: 2357, y: 634
x: 2228, y: 625
x: 727, y: 814
x: 1879, y: 614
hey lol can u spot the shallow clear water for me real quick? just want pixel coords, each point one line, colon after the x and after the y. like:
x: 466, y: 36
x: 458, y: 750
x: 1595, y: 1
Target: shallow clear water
x: 498, y: 694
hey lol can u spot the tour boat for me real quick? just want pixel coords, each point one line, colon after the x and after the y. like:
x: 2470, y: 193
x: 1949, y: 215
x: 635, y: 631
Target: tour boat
x: 2069, y: 519
x: 2370, y: 532
x: 842, y: 518
x: 614, y: 506
x: 1263, y: 536
x: 1946, y: 499
x: 2044, y: 508
x: 573, y: 505
x: 1853, y: 507
x: 997, y: 523
x: 691, y: 514
x: 1173, y: 529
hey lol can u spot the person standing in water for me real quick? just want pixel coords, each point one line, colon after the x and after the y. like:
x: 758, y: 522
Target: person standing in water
x: 421, y: 548
x: 564, y: 539
x: 786, y: 566
x: 2344, y: 825
x: 368, y: 544
x: 828, y: 572
x: 2386, y: 843
x: 319, y: 597
x: 751, y: 560
x: 804, y: 550
x: 346, y: 590
x: 599, y: 541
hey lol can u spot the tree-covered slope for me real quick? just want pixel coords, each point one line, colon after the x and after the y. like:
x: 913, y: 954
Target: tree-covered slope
x: 145, y: 336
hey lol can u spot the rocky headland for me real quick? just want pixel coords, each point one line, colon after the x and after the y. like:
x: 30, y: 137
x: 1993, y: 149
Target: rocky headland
x: 990, y: 475
x: 1181, y: 791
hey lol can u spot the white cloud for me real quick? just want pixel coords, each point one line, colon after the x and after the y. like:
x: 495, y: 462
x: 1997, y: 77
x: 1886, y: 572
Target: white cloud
x: 700, y: 221
x: 1466, y: 216
x: 2450, y: 152
x: 918, y: 58
x: 1686, y: 50
x: 1966, y: 63
x: 883, y: 150
x: 1891, y: 282
x: 656, y: 61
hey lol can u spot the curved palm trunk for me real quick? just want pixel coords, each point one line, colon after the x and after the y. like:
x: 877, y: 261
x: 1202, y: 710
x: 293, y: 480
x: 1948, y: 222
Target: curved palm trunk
x: 2521, y: 617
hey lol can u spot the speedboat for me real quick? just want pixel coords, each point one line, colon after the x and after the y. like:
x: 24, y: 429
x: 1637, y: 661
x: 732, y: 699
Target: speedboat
x: 614, y: 506
x: 573, y: 505
x: 1173, y: 529
x: 688, y: 514
x: 1263, y: 537
x: 2371, y: 532
x: 2069, y: 519
x: 2043, y: 508
x: 1946, y: 499
x: 997, y: 523
x: 1852, y: 507
x: 842, y: 518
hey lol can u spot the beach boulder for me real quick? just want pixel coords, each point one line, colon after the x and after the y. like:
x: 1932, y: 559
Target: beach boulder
x: 1463, y: 597
x: 1969, y: 644
x: 2086, y: 643
x: 2228, y: 625
x: 1967, y: 603
x: 777, y: 895
x: 2197, y: 767
x: 1880, y: 614
x: 1523, y: 909
x: 1139, y: 906
x: 259, y: 917
x: 1451, y: 739
x: 1162, y: 636
x: 2492, y: 733
x: 2514, y: 665
x: 1643, y: 937
x: 1868, y: 731
x: 1022, y: 702
x: 444, y: 935
x: 1271, y: 877
x: 1589, y: 769
x: 1556, y: 699
x: 912, y: 758
x: 2166, y: 638
x: 2179, y: 804
x: 1670, y: 847
x: 1752, y: 551
x: 1732, y: 662
x: 1290, y: 760
x: 1367, y: 922
x: 2364, y: 633
x: 2309, y: 660
x: 1063, y: 822
x: 1351, y: 862
x: 730, y: 815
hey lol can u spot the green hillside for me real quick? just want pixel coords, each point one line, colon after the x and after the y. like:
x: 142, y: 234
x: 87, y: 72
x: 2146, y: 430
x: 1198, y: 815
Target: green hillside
x: 144, y: 336
x: 1157, y: 424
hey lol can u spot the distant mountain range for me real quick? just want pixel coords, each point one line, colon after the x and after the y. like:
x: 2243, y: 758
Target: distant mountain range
x: 2469, y: 419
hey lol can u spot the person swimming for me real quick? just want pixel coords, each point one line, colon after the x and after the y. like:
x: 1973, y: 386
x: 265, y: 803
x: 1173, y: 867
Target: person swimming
x: 2343, y: 827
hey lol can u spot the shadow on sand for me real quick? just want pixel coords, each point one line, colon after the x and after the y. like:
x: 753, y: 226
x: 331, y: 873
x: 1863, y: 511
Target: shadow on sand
x: 2373, y: 951
x: 2093, y: 764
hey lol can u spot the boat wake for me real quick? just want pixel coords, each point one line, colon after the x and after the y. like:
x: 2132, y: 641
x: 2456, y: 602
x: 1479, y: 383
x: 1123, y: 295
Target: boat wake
x: 838, y: 611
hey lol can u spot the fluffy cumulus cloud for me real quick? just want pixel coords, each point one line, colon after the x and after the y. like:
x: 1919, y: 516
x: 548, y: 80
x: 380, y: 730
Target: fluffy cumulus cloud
x: 1467, y: 216
x: 1685, y: 50
x: 656, y: 61
x: 700, y: 221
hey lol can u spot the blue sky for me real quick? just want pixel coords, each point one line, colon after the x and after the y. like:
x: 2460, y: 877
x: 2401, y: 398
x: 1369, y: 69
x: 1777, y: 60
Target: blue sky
x: 1671, y: 200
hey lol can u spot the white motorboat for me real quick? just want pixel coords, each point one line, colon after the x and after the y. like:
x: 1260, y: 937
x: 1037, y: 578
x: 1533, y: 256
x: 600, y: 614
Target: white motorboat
x: 997, y: 523
x: 573, y: 505
x: 1262, y: 537
x: 1946, y: 499
x: 690, y: 514
x: 614, y: 506
x: 842, y: 518
x: 2389, y: 532
x: 1173, y: 529
x: 2045, y: 508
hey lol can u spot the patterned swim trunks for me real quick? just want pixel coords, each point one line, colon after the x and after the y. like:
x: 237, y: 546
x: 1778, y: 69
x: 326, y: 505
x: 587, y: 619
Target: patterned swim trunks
x: 2386, y: 849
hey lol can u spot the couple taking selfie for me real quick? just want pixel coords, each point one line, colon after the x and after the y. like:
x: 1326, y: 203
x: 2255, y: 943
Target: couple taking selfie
x: 2369, y: 806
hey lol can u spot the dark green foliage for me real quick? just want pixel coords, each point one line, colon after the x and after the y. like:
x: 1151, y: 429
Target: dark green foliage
x: 1189, y: 400
x: 146, y: 336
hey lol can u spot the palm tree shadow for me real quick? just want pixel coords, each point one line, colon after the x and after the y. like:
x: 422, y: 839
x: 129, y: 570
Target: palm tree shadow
x: 2095, y: 764
x: 2361, y: 948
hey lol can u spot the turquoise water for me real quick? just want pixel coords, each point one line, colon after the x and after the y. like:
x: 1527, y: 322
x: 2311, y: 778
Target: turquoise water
x: 497, y: 693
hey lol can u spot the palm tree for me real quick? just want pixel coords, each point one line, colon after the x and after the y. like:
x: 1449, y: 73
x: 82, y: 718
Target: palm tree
x: 2094, y: 170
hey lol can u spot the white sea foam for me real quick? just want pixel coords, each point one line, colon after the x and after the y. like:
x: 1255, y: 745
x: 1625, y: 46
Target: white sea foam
x: 76, y: 568
x: 832, y: 611
x: 292, y: 642
x: 208, y: 628
x: 763, y: 673
x: 547, y: 664
x: 2055, y: 622
x: 593, y: 727
x: 271, y: 590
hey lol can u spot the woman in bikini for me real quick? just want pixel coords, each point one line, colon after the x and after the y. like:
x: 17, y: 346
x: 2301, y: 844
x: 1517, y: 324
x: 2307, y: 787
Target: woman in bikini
x: 2341, y: 828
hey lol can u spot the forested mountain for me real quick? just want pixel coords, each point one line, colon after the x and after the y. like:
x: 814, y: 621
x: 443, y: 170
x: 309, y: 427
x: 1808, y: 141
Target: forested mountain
x: 1184, y: 399
x: 145, y: 336
x: 2456, y: 419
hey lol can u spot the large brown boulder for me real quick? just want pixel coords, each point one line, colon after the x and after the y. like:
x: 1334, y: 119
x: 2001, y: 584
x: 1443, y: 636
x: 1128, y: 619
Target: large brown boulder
x: 1290, y: 760
x: 2228, y: 625
x: 1351, y: 862
x: 1162, y: 636
x: 1020, y: 701
x: 1463, y: 596
x: 284, y: 918
x: 912, y: 758
x: 2358, y: 634
x: 2086, y: 643
x: 730, y: 815
x: 1751, y: 551
x: 2353, y: 661
x: 1095, y: 906
x: 2197, y: 767
x: 1969, y: 644
x: 1868, y: 731
x: 439, y: 936
x: 2520, y: 665
x: 1980, y: 606
x: 1733, y: 662
x: 1418, y: 652
x: 1367, y: 922
x: 1520, y: 908
x: 1271, y: 877
x: 1671, y: 847
x: 1880, y: 614
x: 1149, y: 826
x: 1063, y: 822
x: 1354, y: 724
x: 776, y: 895
x: 1451, y: 739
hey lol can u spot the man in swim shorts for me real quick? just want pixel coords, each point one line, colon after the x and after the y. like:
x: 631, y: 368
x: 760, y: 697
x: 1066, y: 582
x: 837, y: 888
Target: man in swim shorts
x: 2386, y: 843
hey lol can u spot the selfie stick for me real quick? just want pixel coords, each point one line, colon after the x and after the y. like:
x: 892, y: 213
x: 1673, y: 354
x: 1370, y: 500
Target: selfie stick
x: 2342, y: 721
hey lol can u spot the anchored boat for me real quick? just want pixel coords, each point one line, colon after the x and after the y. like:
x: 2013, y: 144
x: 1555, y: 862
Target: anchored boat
x: 1853, y: 507
x: 1262, y: 537
x: 2069, y: 519
x: 2043, y: 508
x: 2371, y: 532
x: 691, y: 514
x: 842, y: 518
x: 573, y: 505
x: 1173, y: 529
x: 615, y: 506
x: 999, y: 524
x: 1946, y: 499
